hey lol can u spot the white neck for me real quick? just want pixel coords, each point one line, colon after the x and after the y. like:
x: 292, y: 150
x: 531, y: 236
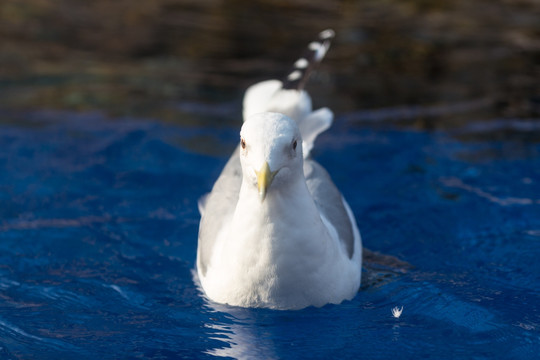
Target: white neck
x: 252, y: 213
x: 277, y: 255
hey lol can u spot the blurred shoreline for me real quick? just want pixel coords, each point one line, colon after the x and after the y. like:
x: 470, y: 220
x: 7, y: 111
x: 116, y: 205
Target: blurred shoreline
x: 149, y: 59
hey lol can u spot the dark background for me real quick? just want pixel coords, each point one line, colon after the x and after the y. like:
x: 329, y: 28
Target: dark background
x: 458, y: 60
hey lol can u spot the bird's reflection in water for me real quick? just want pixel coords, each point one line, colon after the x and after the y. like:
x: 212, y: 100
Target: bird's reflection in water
x: 242, y: 333
x: 245, y: 333
x: 245, y: 336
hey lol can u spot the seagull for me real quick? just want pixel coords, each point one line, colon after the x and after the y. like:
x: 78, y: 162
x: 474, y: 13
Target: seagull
x: 275, y: 231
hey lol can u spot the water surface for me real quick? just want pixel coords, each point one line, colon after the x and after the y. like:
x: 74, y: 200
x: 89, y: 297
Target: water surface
x: 99, y: 230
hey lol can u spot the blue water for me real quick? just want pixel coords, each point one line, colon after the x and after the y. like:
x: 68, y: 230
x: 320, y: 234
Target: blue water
x: 98, y: 234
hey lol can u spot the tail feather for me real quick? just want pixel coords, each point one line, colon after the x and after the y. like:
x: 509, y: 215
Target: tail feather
x: 288, y: 96
x: 304, y: 66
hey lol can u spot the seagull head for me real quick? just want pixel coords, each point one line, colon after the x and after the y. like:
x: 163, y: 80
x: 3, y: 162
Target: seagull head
x: 270, y: 151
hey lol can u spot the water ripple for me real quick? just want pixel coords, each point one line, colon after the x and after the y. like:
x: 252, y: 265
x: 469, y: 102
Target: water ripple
x: 454, y: 182
x: 8, y: 329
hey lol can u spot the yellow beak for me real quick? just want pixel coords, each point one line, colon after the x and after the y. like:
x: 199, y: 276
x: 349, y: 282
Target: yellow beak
x: 264, y: 179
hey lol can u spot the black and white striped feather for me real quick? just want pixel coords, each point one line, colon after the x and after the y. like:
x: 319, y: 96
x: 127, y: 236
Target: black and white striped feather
x: 304, y: 66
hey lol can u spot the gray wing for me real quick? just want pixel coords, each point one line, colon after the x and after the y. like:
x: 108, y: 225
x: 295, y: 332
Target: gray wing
x: 329, y: 201
x: 217, y: 208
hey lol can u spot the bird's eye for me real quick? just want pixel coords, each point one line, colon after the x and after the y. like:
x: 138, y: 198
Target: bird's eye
x: 243, y: 143
x: 294, y: 145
